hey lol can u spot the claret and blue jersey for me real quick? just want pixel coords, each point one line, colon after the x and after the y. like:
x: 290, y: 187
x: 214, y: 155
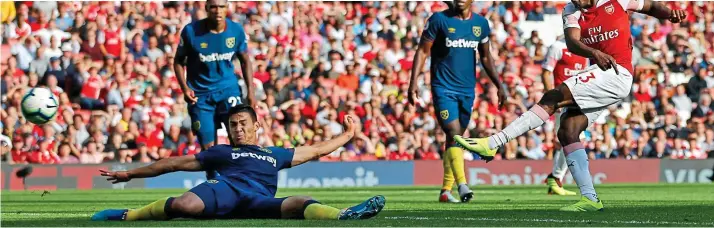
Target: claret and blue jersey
x: 454, y: 55
x: 210, y: 73
x: 248, y: 168
x: 209, y: 55
x: 247, y: 183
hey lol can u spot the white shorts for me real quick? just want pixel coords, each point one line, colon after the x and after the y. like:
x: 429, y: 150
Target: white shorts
x: 594, y: 89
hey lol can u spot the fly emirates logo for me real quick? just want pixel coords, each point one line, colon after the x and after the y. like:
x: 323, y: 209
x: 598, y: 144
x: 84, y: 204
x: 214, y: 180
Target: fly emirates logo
x: 461, y: 43
x: 255, y: 156
x: 596, y: 35
x: 216, y: 57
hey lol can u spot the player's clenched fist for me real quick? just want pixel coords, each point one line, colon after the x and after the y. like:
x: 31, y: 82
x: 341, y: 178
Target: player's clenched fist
x: 677, y: 16
x: 350, y: 126
x: 605, y: 61
x: 116, y: 177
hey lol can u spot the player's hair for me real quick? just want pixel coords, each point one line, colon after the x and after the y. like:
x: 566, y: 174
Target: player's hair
x: 450, y: 4
x: 243, y: 108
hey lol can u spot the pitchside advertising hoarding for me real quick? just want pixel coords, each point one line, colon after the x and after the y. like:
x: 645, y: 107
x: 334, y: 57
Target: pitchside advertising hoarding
x: 524, y: 172
x: 368, y: 174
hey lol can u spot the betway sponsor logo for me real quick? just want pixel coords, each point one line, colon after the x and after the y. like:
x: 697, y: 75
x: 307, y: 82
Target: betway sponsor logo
x: 478, y: 176
x: 216, y: 57
x: 596, y: 35
x: 255, y: 156
x: 361, y: 178
x: 461, y: 43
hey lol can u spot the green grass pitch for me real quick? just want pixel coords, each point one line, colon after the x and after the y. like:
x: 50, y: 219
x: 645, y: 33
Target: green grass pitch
x: 625, y: 205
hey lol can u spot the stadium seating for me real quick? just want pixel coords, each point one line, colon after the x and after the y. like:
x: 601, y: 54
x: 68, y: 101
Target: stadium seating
x: 303, y: 95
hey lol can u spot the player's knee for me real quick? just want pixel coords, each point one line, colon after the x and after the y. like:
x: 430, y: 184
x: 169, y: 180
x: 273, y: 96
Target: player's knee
x: 294, y: 206
x: 189, y: 204
x: 552, y: 98
x: 453, y: 128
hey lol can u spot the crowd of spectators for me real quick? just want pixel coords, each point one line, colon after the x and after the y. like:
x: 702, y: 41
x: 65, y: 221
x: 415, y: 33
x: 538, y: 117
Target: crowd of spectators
x: 109, y: 63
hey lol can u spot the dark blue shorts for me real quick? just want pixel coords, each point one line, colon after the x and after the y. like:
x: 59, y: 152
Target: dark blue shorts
x: 452, y: 105
x: 211, y: 110
x: 224, y: 202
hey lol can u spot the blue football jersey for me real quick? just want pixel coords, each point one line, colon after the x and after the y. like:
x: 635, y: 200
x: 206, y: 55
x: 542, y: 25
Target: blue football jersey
x: 454, y: 53
x: 248, y: 167
x: 209, y: 65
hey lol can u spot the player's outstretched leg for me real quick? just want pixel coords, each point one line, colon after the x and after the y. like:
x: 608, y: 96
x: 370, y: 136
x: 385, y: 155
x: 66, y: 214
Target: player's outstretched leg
x: 535, y: 117
x: 188, y: 205
x: 304, y: 207
x: 364, y: 210
x: 573, y: 123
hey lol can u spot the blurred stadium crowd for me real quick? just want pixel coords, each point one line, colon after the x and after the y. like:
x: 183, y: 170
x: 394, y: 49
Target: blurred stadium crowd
x: 110, y: 65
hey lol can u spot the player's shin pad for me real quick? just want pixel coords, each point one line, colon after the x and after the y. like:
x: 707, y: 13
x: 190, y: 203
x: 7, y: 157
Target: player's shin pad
x: 456, y: 157
x: 314, y: 210
x: 448, y: 181
x: 153, y: 211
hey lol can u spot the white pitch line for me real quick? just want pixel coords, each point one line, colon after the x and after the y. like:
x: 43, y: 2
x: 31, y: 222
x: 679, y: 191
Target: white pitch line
x: 554, y: 220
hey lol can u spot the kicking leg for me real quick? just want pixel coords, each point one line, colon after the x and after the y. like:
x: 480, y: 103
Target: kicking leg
x: 573, y: 123
x: 535, y: 117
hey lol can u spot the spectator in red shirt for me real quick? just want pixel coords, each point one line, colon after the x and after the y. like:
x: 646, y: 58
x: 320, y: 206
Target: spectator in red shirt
x: 402, y: 154
x: 90, y: 91
x: 427, y: 150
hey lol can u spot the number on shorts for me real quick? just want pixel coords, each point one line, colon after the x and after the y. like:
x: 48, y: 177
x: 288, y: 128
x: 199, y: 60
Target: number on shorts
x: 586, y: 78
x: 234, y: 101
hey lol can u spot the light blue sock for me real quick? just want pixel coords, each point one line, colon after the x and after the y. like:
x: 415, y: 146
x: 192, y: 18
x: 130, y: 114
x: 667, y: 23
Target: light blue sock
x: 579, y: 167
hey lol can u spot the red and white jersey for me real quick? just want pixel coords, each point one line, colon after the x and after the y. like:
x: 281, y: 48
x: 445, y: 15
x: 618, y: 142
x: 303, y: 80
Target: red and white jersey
x: 113, y: 41
x: 16, y: 31
x: 605, y: 27
x: 92, y: 87
x: 562, y: 62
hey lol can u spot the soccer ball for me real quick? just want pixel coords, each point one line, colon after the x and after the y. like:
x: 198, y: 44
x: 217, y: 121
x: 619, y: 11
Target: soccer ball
x: 39, y: 105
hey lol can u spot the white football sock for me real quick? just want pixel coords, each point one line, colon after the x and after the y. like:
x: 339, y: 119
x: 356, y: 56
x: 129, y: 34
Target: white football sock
x: 532, y: 119
x: 559, y: 165
x: 463, y: 189
x: 579, y: 168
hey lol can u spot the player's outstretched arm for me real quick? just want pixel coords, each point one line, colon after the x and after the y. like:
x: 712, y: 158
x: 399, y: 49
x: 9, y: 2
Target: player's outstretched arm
x: 307, y: 153
x: 166, y: 165
x: 659, y: 10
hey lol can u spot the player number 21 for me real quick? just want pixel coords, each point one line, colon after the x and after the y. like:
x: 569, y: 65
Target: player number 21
x: 234, y: 101
x: 586, y: 78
